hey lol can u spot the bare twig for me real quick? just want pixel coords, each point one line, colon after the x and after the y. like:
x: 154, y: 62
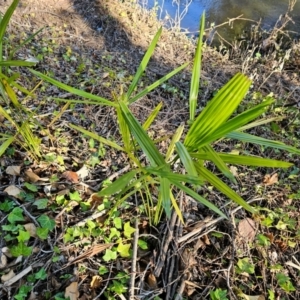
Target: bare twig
x: 133, y: 261
x: 208, y: 222
x: 164, y: 249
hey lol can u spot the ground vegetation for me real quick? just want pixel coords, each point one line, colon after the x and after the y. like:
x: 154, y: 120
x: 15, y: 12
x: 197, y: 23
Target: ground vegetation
x: 61, y: 238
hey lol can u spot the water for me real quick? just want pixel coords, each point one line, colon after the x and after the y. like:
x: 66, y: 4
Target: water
x: 218, y: 12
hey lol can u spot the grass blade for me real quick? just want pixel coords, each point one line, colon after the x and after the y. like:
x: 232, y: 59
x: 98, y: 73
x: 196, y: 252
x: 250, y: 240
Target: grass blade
x: 146, y: 144
x: 152, y: 116
x: 246, y: 160
x: 248, y: 138
x: 74, y: 91
x: 31, y: 37
x: 16, y: 63
x: 186, y: 159
x: 217, y: 160
x: 118, y: 185
x: 223, y: 188
x: 174, y: 176
x: 124, y: 130
x: 6, y: 144
x: 3, y: 25
x: 177, y: 209
x: 176, y: 137
x: 164, y: 196
x: 195, y: 81
x: 97, y: 137
x: 143, y: 64
x: 157, y: 83
x: 198, y: 198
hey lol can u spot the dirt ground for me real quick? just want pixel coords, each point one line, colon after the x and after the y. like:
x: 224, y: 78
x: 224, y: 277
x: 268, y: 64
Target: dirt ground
x: 183, y: 262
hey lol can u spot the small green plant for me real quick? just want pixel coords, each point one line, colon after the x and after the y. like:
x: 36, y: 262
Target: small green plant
x: 285, y: 282
x: 18, y: 235
x: 157, y: 182
x: 218, y: 294
x: 19, y: 122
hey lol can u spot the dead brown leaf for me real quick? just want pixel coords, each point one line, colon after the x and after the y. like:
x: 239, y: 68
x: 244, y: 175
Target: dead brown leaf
x: 6, y: 251
x: 31, y: 228
x: 270, y: 180
x: 13, y: 170
x: 188, y: 259
x: 205, y: 239
x: 96, y: 282
x: 281, y: 245
x: 270, y: 236
x: 3, y: 261
x: 95, y: 200
x: 199, y: 245
x: 247, y: 229
x: 7, y: 276
x: 151, y: 280
x: 55, y: 283
x: 14, y: 191
x: 83, y: 172
x: 72, y: 291
x: 32, y: 177
x: 71, y: 176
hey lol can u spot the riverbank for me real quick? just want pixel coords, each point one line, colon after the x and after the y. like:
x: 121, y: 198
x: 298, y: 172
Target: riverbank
x: 97, y: 46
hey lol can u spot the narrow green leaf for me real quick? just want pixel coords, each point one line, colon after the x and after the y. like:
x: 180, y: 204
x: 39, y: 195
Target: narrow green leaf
x: 157, y: 83
x: 17, y: 63
x: 118, y: 185
x: 11, y: 94
x: 144, y: 62
x: 74, y: 91
x: 164, y: 196
x: 3, y: 25
x: 198, y: 198
x: 246, y: 160
x: 6, y: 144
x: 217, y: 160
x: 176, y: 137
x: 248, y: 138
x: 259, y: 123
x: 152, y: 116
x: 31, y: 37
x: 97, y: 137
x: 186, y: 159
x: 124, y: 130
x: 179, y: 177
x: 13, y: 83
x: 223, y: 188
x: 177, y: 209
x: 147, y: 145
x: 195, y: 81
